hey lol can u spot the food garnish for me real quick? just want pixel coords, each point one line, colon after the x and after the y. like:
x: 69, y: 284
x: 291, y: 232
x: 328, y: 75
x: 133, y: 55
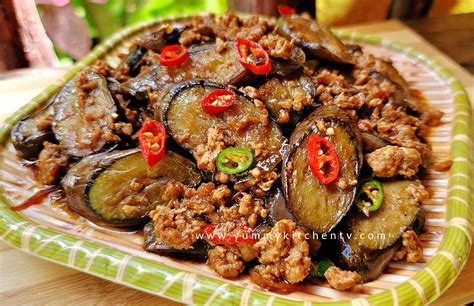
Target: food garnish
x: 218, y: 101
x: 152, y: 138
x: 252, y: 56
x: 234, y: 160
x: 322, y: 159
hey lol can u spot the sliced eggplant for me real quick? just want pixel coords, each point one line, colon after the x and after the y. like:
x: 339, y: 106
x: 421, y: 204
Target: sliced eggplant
x: 29, y: 134
x: 186, y: 121
x: 133, y: 61
x: 203, y: 63
x: 276, y: 206
x: 285, y: 67
x: 367, y: 244
x: 317, y: 206
x: 293, y: 87
x: 397, y: 96
x: 119, y: 189
x: 157, y: 40
x: 152, y: 244
x: 398, y: 211
x: 316, y: 39
x: 372, y: 142
x: 83, y: 112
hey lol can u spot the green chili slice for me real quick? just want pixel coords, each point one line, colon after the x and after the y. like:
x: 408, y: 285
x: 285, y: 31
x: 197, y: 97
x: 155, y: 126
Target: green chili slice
x: 234, y: 160
x: 318, y: 268
x: 369, y: 198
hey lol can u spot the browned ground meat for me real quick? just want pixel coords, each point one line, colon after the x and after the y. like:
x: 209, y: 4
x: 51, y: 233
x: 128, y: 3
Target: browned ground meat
x: 341, y: 279
x: 260, y: 183
x: 277, y: 46
x: 389, y: 161
x: 418, y: 193
x: 246, y: 211
x: 176, y: 223
x: 206, y: 154
x: 200, y: 30
x: 176, y: 227
x: 229, y: 27
x: 411, y: 249
x: 50, y: 163
x: 226, y: 261
x: 374, y: 101
x: 285, y: 252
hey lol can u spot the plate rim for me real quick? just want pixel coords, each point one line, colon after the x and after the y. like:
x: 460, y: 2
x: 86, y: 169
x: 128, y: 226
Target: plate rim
x: 172, y: 283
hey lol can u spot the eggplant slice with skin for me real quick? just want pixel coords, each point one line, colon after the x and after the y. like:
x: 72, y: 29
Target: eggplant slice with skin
x: 317, y: 206
x: 119, y: 189
x: 83, y: 115
x: 203, y: 62
x: 294, y: 87
x: 283, y: 67
x: 188, y: 124
x: 29, y: 134
x: 315, y: 38
x: 367, y: 244
x: 152, y: 244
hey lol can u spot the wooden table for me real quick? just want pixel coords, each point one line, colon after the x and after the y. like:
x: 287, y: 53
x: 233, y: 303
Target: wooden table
x: 27, y: 279
x: 454, y: 35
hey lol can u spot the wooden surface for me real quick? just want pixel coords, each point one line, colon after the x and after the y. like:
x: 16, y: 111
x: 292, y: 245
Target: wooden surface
x: 454, y: 35
x: 25, y: 279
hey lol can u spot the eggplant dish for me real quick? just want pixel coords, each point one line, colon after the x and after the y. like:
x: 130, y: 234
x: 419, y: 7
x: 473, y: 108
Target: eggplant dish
x: 264, y: 147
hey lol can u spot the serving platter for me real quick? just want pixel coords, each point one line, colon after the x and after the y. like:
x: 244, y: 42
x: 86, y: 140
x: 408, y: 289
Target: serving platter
x: 48, y: 231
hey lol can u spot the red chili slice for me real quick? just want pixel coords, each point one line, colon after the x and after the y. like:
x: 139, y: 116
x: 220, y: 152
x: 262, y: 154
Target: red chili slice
x: 286, y: 10
x: 173, y: 55
x: 252, y: 56
x: 322, y: 159
x: 243, y: 235
x: 218, y: 101
x: 152, y: 139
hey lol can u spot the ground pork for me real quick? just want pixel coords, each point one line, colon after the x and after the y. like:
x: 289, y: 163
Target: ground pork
x: 246, y: 211
x: 198, y: 31
x: 371, y: 92
x: 389, y: 161
x: 278, y: 46
x: 176, y: 227
x: 51, y: 163
x: 206, y: 154
x: 341, y: 279
x: 260, y: 182
x: 411, y: 249
x: 179, y: 222
x: 418, y: 193
x: 229, y: 27
x: 226, y: 261
x: 285, y: 252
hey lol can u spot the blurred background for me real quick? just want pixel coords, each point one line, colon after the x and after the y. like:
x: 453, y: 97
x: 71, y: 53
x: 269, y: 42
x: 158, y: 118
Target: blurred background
x: 62, y: 31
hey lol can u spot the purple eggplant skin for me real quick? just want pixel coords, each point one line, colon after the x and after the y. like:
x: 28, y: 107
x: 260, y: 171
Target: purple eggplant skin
x: 203, y: 62
x: 83, y: 116
x: 29, y: 134
x: 182, y: 115
x: 372, y: 142
x: 152, y: 244
x: 133, y: 61
x: 283, y: 67
x: 276, y: 207
x: 89, y: 185
x: 314, y: 38
x: 157, y: 40
x: 316, y: 206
